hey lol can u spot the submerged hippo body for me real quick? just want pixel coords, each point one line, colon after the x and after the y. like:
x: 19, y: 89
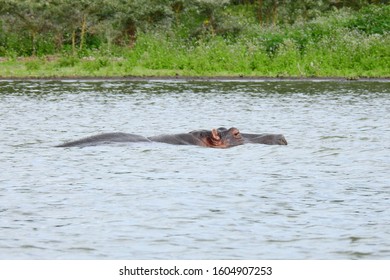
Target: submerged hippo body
x: 207, y: 138
x: 105, y: 138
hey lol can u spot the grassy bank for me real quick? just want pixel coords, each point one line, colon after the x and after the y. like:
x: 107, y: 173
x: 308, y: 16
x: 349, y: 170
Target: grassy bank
x: 342, y: 43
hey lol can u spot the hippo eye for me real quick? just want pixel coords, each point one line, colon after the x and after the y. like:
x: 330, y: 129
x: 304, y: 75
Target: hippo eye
x: 236, y: 133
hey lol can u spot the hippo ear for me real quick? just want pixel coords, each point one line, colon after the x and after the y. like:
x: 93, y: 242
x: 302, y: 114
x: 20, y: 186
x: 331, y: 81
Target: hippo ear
x: 215, y: 135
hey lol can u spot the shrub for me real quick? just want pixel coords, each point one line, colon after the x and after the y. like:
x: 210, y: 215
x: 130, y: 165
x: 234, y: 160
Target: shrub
x: 372, y: 20
x: 68, y: 61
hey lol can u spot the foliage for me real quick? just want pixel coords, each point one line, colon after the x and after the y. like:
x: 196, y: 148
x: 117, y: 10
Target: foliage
x: 372, y: 20
x: 200, y: 37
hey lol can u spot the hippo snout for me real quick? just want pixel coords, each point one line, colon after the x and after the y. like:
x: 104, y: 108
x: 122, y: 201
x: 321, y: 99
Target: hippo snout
x: 281, y: 140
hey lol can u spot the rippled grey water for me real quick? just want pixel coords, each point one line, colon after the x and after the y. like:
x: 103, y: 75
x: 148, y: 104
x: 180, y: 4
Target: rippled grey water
x: 324, y: 196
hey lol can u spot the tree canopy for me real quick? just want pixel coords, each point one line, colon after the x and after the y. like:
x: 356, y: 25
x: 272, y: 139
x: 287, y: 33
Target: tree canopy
x: 33, y: 27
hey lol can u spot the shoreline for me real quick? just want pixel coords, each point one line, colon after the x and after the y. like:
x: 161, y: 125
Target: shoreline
x: 239, y: 78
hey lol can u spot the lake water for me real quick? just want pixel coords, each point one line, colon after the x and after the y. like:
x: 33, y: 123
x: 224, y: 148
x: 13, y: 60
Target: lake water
x: 324, y: 196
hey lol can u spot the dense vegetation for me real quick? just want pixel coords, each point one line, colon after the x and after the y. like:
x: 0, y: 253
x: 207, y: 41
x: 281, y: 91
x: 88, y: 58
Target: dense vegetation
x: 347, y: 38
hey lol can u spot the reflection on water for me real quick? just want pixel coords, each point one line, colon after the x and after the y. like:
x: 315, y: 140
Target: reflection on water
x: 324, y: 196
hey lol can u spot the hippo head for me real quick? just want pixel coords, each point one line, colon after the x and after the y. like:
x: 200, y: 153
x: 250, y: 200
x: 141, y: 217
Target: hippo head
x: 220, y: 138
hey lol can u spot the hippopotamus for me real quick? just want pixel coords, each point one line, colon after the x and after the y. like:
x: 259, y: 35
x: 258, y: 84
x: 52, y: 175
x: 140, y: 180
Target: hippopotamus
x: 215, y: 138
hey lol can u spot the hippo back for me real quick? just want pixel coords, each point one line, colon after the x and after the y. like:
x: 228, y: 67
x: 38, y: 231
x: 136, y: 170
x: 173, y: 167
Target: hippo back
x: 105, y: 138
x: 176, y: 139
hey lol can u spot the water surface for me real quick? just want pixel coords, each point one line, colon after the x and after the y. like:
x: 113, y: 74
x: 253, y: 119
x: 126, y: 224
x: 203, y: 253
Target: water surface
x: 324, y: 196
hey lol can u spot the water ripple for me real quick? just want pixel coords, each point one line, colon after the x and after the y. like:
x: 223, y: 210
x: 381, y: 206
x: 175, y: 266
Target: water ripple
x: 324, y: 196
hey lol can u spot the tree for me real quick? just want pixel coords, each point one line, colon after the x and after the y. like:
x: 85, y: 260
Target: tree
x: 131, y: 16
x: 31, y: 16
x: 75, y: 19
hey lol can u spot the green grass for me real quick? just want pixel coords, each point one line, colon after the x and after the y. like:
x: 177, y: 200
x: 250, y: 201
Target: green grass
x: 349, y: 55
x: 336, y: 45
